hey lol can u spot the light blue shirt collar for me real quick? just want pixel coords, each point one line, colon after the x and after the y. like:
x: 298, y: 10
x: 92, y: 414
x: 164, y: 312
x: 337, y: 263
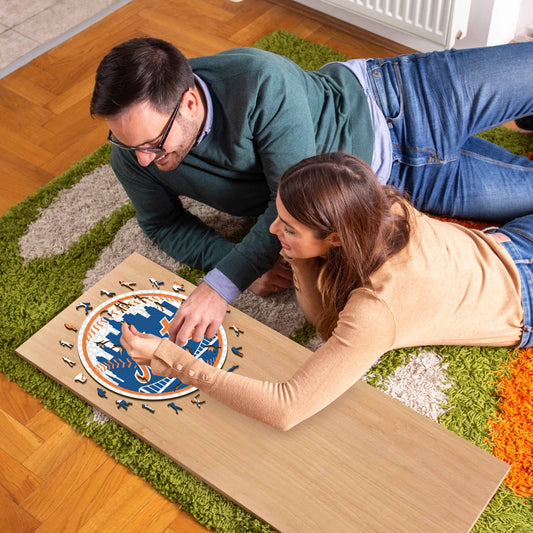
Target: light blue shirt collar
x: 209, y: 109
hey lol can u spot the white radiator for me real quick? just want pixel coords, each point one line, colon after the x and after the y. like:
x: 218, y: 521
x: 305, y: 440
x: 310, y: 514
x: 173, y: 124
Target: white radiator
x: 439, y: 21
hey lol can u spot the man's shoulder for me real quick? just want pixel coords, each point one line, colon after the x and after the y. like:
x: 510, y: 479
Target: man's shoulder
x: 235, y: 54
x: 237, y: 60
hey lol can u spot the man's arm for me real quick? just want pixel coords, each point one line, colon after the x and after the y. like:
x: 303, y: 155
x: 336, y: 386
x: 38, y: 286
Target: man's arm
x: 162, y: 217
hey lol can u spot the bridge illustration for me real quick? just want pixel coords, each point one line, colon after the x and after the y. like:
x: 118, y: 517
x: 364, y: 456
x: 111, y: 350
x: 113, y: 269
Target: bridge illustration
x: 159, y: 386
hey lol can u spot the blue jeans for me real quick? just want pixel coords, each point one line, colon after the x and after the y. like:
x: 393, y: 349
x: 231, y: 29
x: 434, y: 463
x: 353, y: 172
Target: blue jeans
x: 433, y: 104
x: 520, y: 248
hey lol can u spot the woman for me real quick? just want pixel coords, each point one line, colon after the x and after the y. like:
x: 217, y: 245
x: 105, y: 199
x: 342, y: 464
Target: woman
x: 373, y: 274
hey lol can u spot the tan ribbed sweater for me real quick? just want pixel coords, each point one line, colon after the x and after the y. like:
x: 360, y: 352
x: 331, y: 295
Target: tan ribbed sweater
x: 449, y: 285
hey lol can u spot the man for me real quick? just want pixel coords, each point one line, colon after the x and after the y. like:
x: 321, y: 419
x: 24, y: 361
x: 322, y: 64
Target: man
x: 222, y: 130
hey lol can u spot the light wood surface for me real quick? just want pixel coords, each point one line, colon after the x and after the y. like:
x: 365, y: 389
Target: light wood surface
x: 365, y: 463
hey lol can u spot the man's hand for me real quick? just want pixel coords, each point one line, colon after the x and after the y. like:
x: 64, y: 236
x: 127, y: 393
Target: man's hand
x: 200, y: 314
x: 278, y: 278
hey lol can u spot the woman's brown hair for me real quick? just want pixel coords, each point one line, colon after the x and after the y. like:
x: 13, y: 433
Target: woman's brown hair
x: 340, y: 193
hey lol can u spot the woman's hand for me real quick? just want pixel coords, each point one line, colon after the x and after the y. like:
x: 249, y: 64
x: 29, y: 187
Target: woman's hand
x: 140, y: 346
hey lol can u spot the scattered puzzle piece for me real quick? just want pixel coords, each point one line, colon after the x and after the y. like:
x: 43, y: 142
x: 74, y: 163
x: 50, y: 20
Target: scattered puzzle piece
x: 103, y: 292
x: 122, y: 403
x: 178, y: 287
x: 80, y: 378
x: 234, y: 367
x: 128, y: 284
x: 236, y: 330
x: 69, y: 362
x: 66, y: 344
x: 237, y: 350
x: 71, y: 327
x: 197, y: 401
x: 175, y: 407
x: 148, y: 408
x: 101, y: 392
x: 86, y: 305
x: 156, y: 283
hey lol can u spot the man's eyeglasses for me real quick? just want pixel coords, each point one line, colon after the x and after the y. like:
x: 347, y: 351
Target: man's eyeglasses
x: 149, y: 149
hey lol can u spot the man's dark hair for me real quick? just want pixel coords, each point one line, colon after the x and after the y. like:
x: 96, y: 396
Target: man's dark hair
x: 142, y: 69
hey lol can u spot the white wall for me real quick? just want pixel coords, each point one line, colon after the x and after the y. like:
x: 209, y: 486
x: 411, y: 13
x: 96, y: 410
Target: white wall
x: 491, y: 22
x: 524, y: 27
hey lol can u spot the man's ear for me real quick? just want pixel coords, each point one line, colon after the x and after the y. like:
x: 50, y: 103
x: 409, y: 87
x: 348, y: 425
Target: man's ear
x: 333, y: 239
x: 191, y: 101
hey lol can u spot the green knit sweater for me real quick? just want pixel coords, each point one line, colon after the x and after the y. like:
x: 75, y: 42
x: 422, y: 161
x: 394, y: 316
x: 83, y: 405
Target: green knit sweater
x: 268, y: 114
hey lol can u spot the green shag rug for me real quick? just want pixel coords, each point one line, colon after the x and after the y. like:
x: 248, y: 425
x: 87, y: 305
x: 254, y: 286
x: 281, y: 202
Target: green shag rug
x: 43, y: 273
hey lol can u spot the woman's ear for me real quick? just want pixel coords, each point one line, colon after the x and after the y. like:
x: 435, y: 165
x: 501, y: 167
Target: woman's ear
x: 333, y: 239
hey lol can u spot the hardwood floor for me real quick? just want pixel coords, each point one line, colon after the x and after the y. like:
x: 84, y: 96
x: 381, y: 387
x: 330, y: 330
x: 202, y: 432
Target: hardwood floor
x: 53, y: 479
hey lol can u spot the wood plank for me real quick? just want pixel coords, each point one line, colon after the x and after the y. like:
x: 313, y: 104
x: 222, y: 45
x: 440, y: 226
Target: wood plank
x: 152, y: 514
x: 64, y: 443
x: 15, y: 439
x: 366, y: 455
x: 78, y: 506
x: 63, y: 477
x: 19, y: 179
x: 13, y: 142
x: 14, y: 518
x: 31, y: 83
x: 20, y: 407
x: 93, y: 137
x: 45, y: 424
x: 107, y: 518
x: 16, y: 480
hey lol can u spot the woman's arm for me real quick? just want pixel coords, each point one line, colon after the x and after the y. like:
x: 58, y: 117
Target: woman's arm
x: 364, y: 332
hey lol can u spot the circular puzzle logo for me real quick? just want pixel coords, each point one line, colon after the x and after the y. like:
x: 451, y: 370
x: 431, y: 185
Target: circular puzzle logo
x: 150, y: 312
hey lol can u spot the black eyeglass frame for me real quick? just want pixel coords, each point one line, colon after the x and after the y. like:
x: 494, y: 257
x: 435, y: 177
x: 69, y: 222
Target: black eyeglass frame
x: 149, y: 149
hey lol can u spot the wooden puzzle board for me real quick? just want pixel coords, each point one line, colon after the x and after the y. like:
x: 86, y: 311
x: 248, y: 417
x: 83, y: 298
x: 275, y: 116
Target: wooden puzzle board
x: 365, y: 463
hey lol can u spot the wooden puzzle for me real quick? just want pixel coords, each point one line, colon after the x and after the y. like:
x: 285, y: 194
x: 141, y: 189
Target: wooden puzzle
x: 365, y: 463
x: 149, y: 311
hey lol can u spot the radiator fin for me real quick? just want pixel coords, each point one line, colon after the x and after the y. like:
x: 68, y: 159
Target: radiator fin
x: 440, y: 21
